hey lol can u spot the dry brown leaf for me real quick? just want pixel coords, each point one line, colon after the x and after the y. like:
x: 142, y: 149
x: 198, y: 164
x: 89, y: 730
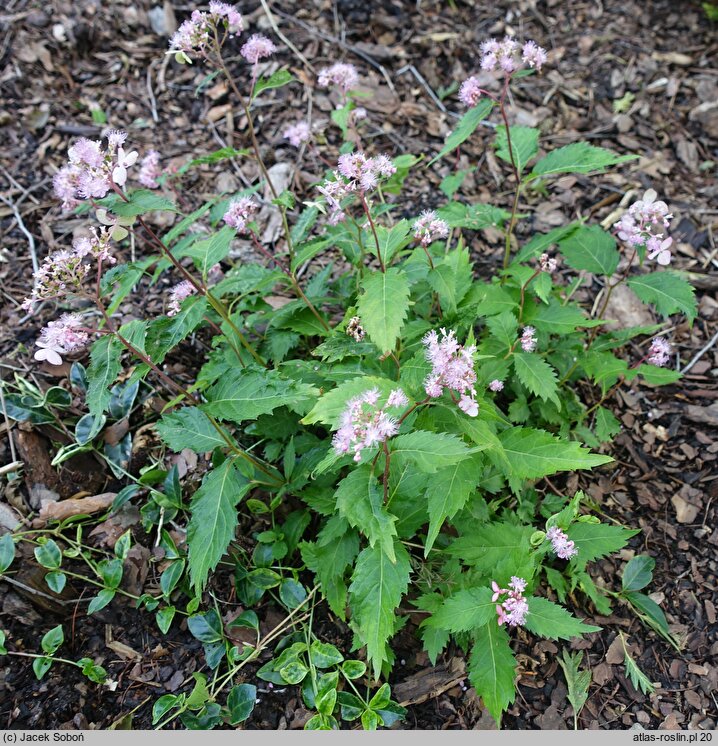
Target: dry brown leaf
x: 59, y: 511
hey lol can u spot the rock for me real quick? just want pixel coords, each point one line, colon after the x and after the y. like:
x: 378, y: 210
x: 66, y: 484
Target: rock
x: 706, y: 114
x: 685, y: 511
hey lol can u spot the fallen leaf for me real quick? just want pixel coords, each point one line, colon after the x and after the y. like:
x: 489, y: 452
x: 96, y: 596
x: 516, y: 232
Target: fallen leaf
x: 59, y: 511
x: 685, y: 511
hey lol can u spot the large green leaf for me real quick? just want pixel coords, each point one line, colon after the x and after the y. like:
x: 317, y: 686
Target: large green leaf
x: 376, y: 590
x: 465, y: 611
x: 667, y: 291
x: 475, y: 217
x: 638, y: 573
x: 561, y: 320
x: 592, y: 249
x: 504, y: 327
x: 360, y: 501
x: 536, y: 453
x: 595, y: 540
x: 214, y: 520
x: 491, y: 669
x: 190, y: 428
x: 383, y: 306
x: 102, y: 372
x: 524, y: 145
x: 465, y: 127
x: 391, y: 239
x: 430, y: 451
x: 140, y: 202
x: 245, y: 394
x: 166, y: 333
x: 553, y: 621
x: 486, y: 546
x: 537, y: 375
x: 208, y: 251
x: 578, y: 158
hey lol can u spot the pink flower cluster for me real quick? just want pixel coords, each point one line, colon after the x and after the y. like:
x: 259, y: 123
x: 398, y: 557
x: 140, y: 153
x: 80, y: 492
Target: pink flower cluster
x: 92, y: 171
x: 365, y: 424
x: 240, y: 212
x: 355, y: 175
x: 65, y: 271
x: 256, y: 48
x: 660, y: 352
x: 511, y: 611
x: 528, y: 339
x: 177, y: 294
x: 60, y: 337
x: 643, y: 225
x: 228, y: 14
x: 561, y: 544
x: 452, y: 368
x: 297, y: 133
x: 150, y: 170
x: 504, y: 55
x: 496, y: 385
x: 470, y: 92
x: 429, y: 227
x: 341, y: 75
x: 547, y: 263
x: 194, y: 34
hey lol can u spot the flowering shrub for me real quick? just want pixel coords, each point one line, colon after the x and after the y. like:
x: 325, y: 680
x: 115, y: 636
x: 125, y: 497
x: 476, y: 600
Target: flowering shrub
x: 398, y: 405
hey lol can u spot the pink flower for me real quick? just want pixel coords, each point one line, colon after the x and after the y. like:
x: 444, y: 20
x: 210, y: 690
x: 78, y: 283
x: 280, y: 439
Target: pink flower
x: 504, y: 54
x: 513, y: 610
x: 341, y: 75
x: 124, y: 161
x: 452, y: 368
x: 533, y: 55
x: 496, y: 385
x: 528, y: 339
x: 560, y: 543
x: 257, y: 48
x: 659, y: 250
x: 470, y: 92
x: 61, y: 337
x: 643, y: 225
x: 547, y: 263
x: 240, y: 212
x: 429, y: 227
x: 364, y: 424
x: 228, y: 13
x: 177, y: 294
x: 497, y: 590
x: 150, y: 170
x: 660, y: 352
x: 297, y: 133
x: 397, y: 398
x: 192, y: 35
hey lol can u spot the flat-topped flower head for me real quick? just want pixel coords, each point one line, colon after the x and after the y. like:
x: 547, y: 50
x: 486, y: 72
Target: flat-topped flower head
x: 660, y: 352
x: 643, y: 226
x: 452, y: 368
x: 240, y: 212
x: 512, y: 610
x: 150, y: 170
x: 561, y: 544
x: 339, y: 75
x: 470, y: 92
x: 533, y: 55
x: 61, y: 337
x: 256, y: 48
x: 193, y: 35
x: 504, y: 55
x: 366, y: 424
x: 496, y: 385
x: 429, y: 227
x: 297, y: 133
x: 528, y: 339
x: 228, y: 14
x: 177, y: 294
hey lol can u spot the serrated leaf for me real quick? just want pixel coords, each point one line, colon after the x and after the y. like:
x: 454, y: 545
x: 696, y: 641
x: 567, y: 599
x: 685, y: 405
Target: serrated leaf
x: 165, y: 334
x: 492, y: 668
x: 376, y: 590
x: 504, y: 327
x: 667, y: 291
x: 553, y: 621
x: 245, y: 394
x: 448, y: 493
x: 524, y: 145
x: 578, y: 158
x: 543, y: 241
x: 578, y: 681
x: 383, y: 306
x: 638, y: 573
x: 595, y: 540
x: 561, y: 320
x: 606, y: 425
x: 391, y: 240
x: 603, y: 368
x: 101, y: 374
x: 465, y: 127
x: 536, y: 453
x: 474, y: 217
x: 207, y: 252
x: 465, y: 611
x: 592, y: 249
x: 361, y: 503
x: 537, y: 376
x: 430, y: 451
x: 140, y: 202
x: 189, y: 427
x: 214, y: 520
x: 487, y: 545
x: 656, y: 376
x: 329, y: 407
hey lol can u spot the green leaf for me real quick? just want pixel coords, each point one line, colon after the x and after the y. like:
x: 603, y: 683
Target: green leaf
x: 52, y: 640
x: 324, y: 655
x: 291, y: 593
x: 383, y: 306
x: 578, y: 681
x: 275, y: 80
x: 475, y: 217
x: 543, y: 241
x: 504, y: 327
x: 553, y: 621
x: 638, y: 573
x: 245, y: 394
x: 391, y: 240
x: 240, y: 702
x: 592, y: 249
x: 536, y: 453
x: 165, y: 334
x: 524, y: 145
x: 465, y: 127
x: 561, y: 320
x: 638, y: 678
x: 361, y: 503
x: 606, y: 425
x: 214, y: 519
x: 656, y: 376
x: 164, y: 618
x: 221, y: 154
x: 595, y: 540
x: 651, y: 613
x: 667, y: 291
x: 41, y: 666
x: 448, y: 493
x: 102, y: 372
x: 140, y: 202
x: 491, y: 669
x: 465, y: 611
x: 537, y: 376
x: 208, y: 251
x: 353, y: 669
x: 206, y: 627
x: 487, y: 545
x: 577, y: 158
x: 189, y: 427
x: 56, y: 581
x: 163, y: 705
x: 49, y: 555
x: 377, y: 587
x: 100, y: 601
x: 329, y: 408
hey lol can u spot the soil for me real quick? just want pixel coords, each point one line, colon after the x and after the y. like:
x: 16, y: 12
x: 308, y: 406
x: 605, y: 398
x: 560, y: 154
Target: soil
x: 633, y: 76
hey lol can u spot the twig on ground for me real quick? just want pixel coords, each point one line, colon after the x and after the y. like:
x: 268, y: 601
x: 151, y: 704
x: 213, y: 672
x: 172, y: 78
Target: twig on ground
x: 426, y: 86
x: 700, y: 353
x: 151, y: 95
x: 21, y: 226
x: 274, y: 26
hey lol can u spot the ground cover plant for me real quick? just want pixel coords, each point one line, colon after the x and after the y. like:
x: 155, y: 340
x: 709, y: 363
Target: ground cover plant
x: 390, y: 416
